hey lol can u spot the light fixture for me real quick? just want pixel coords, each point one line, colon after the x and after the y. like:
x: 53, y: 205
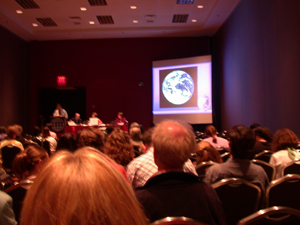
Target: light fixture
x: 91, y: 22
x: 135, y: 21
x: 19, y: 11
x: 83, y: 9
x: 133, y: 7
x: 200, y: 6
x: 35, y: 24
x: 194, y: 21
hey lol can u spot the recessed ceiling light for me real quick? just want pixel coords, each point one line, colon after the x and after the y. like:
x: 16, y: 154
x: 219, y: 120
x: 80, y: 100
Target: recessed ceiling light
x: 135, y: 21
x: 200, y: 6
x: 91, y: 22
x: 19, y: 11
x: 35, y: 24
x: 82, y: 8
x: 194, y: 21
x: 133, y: 7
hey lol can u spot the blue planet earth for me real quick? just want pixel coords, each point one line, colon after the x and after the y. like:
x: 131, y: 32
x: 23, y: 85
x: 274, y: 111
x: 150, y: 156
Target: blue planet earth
x: 178, y: 87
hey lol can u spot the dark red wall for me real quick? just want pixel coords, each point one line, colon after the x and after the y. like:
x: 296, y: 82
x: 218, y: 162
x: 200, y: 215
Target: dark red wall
x: 110, y: 69
x: 13, y: 79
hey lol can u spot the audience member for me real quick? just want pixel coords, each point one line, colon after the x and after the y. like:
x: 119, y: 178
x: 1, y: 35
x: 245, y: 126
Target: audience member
x: 212, y: 137
x: 7, y: 216
x: 121, y: 122
x: 147, y: 139
x: 206, y: 152
x: 254, y: 125
x: 93, y: 137
x: 26, y: 166
x: 81, y: 188
x: 119, y: 148
x: 19, y: 136
x: 2, y: 133
x: 171, y: 192
x: 136, y: 140
x: 76, y: 119
x: 263, y: 139
x: 67, y: 142
x: 52, y: 141
x: 10, y: 139
x: 284, y: 147
x: 59, y: 111
x: 241, y: 142
x: 140, y: 169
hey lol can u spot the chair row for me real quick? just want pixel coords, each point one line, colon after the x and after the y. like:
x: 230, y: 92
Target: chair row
x: 241, y: 198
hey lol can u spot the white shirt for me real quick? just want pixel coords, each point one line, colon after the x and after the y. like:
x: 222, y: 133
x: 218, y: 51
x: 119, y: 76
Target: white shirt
x: 63, y: 113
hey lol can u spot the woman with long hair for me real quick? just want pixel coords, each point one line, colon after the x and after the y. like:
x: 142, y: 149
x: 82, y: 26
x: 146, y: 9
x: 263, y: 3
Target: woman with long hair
x: 206, y: 152
x: 81, y: 188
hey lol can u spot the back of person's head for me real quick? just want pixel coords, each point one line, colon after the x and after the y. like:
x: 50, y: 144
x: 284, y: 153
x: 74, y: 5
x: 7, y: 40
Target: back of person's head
x: 24, y: 162
x: 19, y: 129
x: 254, y: 125
x: 284, y: 138
x: 81, y: 188
x: 11, y: 131
x: 147, y: 138
x: 173, y: 143
x: 67, y: 142
x: 46, y: 131
x: 92, y: 137
x: 241, y: 141
x: 211, y: 131
x: 135, y: 133
x: 206, y: 152
x: 264, y: 133
x: 36, y: 131
x: 2, y: 130
x: 118, y: 147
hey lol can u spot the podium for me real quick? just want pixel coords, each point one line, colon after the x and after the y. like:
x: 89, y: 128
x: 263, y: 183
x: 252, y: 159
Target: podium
x: 58, y: 124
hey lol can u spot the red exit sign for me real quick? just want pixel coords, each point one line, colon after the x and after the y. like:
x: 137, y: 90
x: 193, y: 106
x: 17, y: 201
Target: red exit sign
x: 61, y: 80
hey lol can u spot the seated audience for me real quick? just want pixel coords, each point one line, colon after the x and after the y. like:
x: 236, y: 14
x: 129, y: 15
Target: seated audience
x: 241, y: 142
x: 19, y: 136
x: 284, y: 147
x: 263, y: 139
x: 26, y: 166
x: 67, y: 142
x: 119, y: 148
x: 212, y: 137
x: 94, y: 137
x: 171, y: 192
x: 76, y: 119
x: 140, y: 169
x: 206, y: 152
x: 7, y: 216
x: 81, y: 188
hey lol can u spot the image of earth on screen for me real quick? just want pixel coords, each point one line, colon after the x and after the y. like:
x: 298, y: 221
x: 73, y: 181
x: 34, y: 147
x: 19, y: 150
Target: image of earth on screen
x: 182, y: 90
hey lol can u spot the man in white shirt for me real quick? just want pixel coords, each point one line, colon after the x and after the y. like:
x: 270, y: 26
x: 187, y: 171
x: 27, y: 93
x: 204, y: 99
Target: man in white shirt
x: 59, y: 111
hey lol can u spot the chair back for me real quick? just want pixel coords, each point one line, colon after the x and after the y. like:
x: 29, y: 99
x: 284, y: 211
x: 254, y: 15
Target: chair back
x: 264, y: 156
x: 177, y: 221
x: 284, y: 192
x: 269, y: 169
x: 202, y: 167
x: 225, y: 156
x: 240, y: 198
x: 291, y: 168
x: 279, y: 215
x: 8, y: 154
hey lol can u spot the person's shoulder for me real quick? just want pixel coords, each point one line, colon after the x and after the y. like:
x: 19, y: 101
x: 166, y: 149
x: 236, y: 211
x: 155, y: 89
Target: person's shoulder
x: 5, y: 198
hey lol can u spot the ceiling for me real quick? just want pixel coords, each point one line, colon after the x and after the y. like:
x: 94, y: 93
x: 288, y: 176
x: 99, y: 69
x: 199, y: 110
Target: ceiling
x: 64, y: 20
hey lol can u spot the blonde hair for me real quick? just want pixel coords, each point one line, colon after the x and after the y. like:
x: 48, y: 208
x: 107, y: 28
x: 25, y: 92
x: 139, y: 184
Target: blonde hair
x: 81, y: 188
x: 173, y: 143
